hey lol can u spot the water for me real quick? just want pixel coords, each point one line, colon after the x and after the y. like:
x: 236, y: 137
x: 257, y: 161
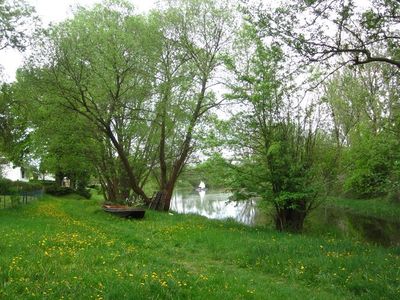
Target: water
x: 371, y: 229
x: 216, y: 205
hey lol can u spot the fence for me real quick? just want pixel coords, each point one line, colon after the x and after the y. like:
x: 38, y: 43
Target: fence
x: 15, y: 199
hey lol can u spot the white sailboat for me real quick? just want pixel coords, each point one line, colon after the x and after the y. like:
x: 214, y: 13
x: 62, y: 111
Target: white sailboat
x: 202, y: 186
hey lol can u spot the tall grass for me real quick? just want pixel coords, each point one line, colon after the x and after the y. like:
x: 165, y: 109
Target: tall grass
x: 377, y: 207
x: 71, y: 249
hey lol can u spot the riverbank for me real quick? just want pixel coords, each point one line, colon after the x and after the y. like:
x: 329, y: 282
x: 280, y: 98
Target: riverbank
x: 71, y: 249
x: 378, y: 207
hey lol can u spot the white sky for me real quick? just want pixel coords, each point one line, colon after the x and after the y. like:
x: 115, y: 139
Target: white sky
x: 54, y: 11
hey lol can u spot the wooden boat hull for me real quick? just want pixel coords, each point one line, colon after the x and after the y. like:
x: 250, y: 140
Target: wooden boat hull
x: 125, y: 212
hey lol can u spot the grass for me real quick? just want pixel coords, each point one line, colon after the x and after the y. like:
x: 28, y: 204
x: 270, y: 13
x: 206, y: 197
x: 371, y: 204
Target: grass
x: 378, y: 207
x: 71, y: 249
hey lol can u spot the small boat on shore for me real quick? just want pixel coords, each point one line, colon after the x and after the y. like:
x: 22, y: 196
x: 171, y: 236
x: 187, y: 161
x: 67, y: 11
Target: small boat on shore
x: 124, y: 211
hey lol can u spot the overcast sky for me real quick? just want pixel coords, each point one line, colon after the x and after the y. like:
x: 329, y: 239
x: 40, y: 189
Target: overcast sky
x: 54, y: 11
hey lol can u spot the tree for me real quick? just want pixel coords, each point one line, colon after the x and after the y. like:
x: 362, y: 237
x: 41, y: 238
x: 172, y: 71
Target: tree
x: 14, y: 137
x: 215, y: 171
x: 144, y: 83
x: 335, y: 33
x: 277, y: 142
x: 101, y: 65
x: 363, y: 102
x: 196, y: 35
x: 364, y: 115
x: 15, y: 19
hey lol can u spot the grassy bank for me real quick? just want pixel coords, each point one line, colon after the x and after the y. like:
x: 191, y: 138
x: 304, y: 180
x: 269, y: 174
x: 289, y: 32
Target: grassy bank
x: 70, y: 249
x: 379, y: 208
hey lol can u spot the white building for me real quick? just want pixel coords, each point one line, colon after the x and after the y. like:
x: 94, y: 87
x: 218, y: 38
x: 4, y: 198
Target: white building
x: 14, y: 173
x: 47, y: 177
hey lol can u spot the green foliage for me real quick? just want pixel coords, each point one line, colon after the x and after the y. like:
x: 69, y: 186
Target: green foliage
x: 137, y: 86
x: 364, y: 112
x: 127, y: 98
x: 88, y: 85
x: 57, y: 190
x: 371, y: 34
x: 370, y: 160
x: 5, y: 186
x: 278, y: 150
x: 15, y: 187
x: 379, y: 208
x: 249, y: 180
x: 15, y: 18
x: 85, y: 193
x: 14, y: 137
x: 215, y: 172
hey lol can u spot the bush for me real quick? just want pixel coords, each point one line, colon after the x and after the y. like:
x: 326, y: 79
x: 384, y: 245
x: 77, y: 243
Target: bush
x: 12, y: 187
x: 27, y: 186
x: 84, y: 193
x: 42, y: 183
x: 96, y: 187
x: 5, y: 186
x: 56, y: 190
x: 394, y: 196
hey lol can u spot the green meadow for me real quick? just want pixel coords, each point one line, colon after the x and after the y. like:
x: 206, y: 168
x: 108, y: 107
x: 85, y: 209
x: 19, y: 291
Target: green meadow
x: 63, y: 248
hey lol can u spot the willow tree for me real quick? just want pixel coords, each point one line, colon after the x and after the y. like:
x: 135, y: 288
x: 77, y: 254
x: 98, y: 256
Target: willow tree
x: 196, y: 35
x: 143, y: 82
x: 101, y: 64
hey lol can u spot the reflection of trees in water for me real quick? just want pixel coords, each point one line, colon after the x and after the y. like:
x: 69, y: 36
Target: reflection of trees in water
x: 375, y: 230
x: 247, y: 212
x: 214, y: 206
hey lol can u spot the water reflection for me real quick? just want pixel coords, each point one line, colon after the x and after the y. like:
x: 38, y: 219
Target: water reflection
x: 202, y: 195
x: 375, y: 230
x: 214, y: 205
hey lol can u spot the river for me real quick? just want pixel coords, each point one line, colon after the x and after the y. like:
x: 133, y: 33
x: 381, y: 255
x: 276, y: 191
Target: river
x: 216, y: 205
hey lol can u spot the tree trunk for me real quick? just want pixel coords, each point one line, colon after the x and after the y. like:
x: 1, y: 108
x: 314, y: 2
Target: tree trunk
x: 162, y: 200
x: 59, y: 178
x: 128, y: 169
x: 290, y: 218
x: 168, y: 196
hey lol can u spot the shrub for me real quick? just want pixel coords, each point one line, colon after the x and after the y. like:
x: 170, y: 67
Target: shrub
x: 84, y: 193
x: 27, y: 186
x: 5, y: 186
x: 12, y: 187
x: 394, y: 196
x: 56, y: 190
